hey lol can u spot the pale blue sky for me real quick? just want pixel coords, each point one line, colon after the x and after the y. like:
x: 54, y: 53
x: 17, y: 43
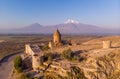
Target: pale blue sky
x: 20, y: 13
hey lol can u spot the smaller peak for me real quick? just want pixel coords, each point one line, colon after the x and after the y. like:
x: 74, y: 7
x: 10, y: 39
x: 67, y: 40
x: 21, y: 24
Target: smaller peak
x: 71, y: 21
x: 35, y: 24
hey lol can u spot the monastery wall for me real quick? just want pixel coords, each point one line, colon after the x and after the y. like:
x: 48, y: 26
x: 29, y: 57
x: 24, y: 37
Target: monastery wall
x: 28, y: 49
x: 35, y: 62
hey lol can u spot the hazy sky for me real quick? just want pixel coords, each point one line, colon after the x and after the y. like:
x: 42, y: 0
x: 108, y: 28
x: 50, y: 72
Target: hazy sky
x: 19, y: 13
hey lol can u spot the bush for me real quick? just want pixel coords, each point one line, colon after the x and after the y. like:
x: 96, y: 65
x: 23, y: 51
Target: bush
x: 45, y: 47
x: 24, y: 76
x: 36, y: 78
x: 76, y: 73
x: 18, y: 64
x: 67, y: 54
x: 53, y: 75
x: 70, y: 55
x: 48, y: 56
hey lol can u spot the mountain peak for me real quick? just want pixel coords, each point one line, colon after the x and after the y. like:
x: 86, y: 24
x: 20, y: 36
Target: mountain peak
x: 71, y: 21
x: 35, y: 24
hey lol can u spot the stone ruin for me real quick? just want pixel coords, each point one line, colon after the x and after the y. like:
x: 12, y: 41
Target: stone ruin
x: 107, y: 44
x: 35, y: 62
x: 37, y: 55
x: 28, y: 49
x: 33, y: 51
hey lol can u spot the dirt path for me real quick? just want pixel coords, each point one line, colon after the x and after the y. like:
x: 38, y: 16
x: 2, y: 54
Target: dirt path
x: 6, y: 66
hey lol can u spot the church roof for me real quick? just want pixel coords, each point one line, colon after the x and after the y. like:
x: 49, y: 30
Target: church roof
x: 57, y: 32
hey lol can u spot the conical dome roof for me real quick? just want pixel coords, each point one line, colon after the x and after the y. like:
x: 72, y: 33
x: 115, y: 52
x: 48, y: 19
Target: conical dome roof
x: 57, y: 36
x: 57, y: 33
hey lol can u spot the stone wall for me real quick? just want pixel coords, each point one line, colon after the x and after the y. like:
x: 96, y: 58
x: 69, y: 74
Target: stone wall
x: 35, y: 62
x: 35, y: 58
x: 28, y: 49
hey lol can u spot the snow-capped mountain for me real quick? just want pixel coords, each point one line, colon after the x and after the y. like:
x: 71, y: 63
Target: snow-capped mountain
x: 68, y: 27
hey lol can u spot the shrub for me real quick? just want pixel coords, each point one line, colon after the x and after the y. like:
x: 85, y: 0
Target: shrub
x: 76, y: 73
x: 24, y: 76
x: 18, y: 64
x: 53, y: 76
x: 36, y: 78
x: 48, y: 56
x: 45, y: 47
x: 67, y: 54
x: 71, y: 56
x: 75, y: 58
x: 82, y: 59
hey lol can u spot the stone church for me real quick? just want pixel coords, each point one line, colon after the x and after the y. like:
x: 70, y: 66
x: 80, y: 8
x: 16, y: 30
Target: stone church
x: 56, y: 39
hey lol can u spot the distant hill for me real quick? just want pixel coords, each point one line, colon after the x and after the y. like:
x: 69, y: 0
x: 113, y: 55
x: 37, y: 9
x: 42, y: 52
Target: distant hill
x: 68, y: 27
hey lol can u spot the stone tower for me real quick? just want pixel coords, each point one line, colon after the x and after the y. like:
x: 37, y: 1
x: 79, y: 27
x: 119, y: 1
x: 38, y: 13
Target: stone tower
x: 57, y: 37
x: 106, y: 44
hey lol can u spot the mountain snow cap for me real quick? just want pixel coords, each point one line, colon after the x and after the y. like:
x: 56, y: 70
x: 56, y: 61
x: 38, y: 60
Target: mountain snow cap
x: 71, y: 21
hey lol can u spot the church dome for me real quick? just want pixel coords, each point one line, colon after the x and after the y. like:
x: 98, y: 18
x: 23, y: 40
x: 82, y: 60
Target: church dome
x: 57, y: 37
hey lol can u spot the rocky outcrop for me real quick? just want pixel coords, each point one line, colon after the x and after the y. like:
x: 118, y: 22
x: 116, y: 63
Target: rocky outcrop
x: 105, y: 67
